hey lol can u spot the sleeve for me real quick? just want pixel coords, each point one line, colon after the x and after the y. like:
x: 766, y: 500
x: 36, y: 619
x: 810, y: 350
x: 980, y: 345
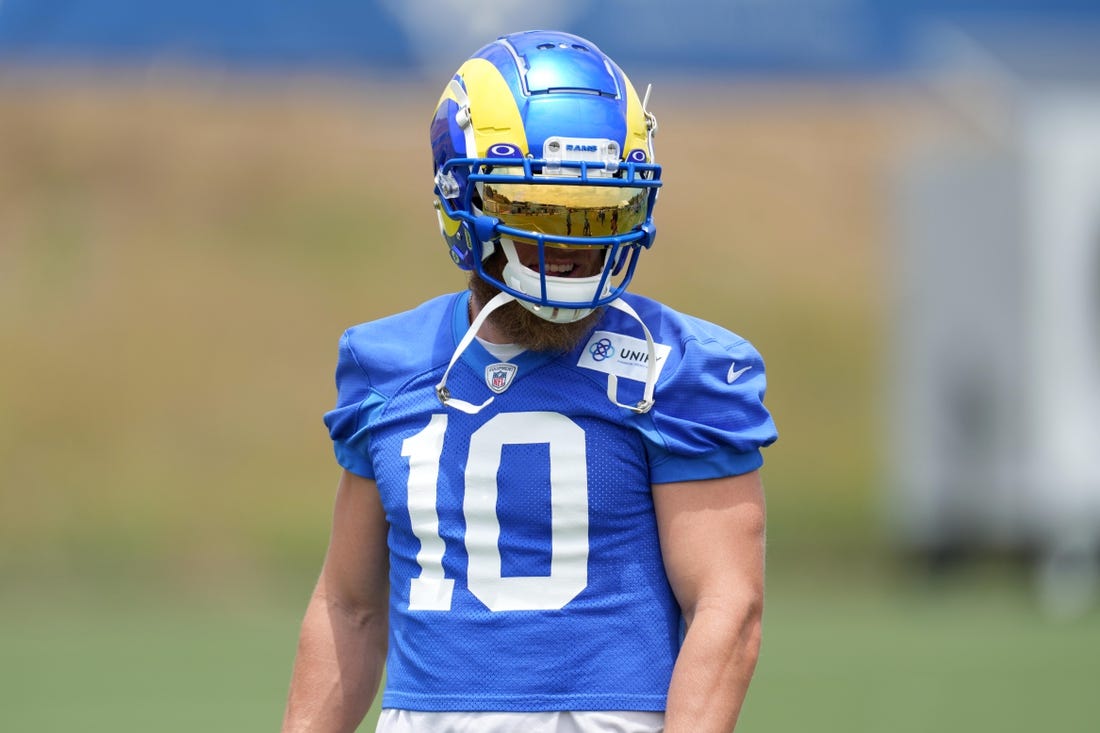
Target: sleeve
x: 709, y: 420
x: 350, y: 438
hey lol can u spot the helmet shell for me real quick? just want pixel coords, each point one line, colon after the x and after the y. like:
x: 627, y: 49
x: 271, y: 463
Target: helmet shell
x: 535, y: 96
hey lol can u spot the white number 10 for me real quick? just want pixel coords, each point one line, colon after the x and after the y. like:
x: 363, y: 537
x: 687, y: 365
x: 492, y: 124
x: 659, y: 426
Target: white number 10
x: 432, y: 591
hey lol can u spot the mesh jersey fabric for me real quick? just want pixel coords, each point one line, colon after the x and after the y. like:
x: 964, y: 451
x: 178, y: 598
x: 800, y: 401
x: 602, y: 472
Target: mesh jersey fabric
x: 525, y: 568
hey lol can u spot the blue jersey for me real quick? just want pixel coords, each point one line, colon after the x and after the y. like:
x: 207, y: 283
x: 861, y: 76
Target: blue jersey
x: 525, y: 567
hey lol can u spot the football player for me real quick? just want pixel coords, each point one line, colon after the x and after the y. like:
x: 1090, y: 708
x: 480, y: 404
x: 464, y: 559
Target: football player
x: 550, y: 516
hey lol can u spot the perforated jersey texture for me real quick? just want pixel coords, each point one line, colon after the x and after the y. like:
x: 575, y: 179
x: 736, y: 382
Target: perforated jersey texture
x: 526, y: 571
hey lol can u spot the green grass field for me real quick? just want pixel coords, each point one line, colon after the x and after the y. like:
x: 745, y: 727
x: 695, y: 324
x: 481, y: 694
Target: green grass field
x: 843, y: 657
x: 178, y: 258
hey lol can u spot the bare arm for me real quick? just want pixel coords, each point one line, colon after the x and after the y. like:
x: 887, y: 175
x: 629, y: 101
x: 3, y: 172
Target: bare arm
x: 342, y: 647
x: 712, y: 539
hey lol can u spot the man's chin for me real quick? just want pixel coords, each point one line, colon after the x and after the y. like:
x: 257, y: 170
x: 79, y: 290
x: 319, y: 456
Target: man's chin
x: 528, y: 330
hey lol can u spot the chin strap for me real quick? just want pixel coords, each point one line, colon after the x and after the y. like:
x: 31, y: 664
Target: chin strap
x: 650, y: 366
x: 501, y: 299
x: 441, y: 390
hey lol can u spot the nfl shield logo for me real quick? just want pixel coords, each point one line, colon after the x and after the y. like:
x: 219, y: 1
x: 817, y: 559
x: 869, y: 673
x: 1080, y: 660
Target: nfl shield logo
x: 499, y: 376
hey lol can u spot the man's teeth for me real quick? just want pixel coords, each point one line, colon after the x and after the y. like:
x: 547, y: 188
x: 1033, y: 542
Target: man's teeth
x: 559, y: 269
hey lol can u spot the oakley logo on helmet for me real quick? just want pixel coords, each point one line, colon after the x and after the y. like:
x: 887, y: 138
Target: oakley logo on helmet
x: 504, y: 150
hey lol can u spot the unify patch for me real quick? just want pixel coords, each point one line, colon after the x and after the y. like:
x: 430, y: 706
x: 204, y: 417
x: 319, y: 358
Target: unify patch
x: 623, y: 356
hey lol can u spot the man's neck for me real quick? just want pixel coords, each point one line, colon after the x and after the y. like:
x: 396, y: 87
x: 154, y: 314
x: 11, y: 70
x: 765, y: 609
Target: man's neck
x: 488, y: 331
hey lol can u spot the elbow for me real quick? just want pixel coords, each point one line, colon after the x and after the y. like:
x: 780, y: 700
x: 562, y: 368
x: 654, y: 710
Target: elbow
x: 752, y: 635
x: 744, y: 636
x: 734, y: 623
x: 745, y: 616
x: 358, y: 612
x: 358, y: 615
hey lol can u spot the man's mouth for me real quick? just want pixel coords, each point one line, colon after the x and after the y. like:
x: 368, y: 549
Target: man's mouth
x: 559, y: 262
x: 562, y: 269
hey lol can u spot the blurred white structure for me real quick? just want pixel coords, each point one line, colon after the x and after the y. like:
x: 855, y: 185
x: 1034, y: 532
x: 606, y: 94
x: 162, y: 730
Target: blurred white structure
x: 996, y: 378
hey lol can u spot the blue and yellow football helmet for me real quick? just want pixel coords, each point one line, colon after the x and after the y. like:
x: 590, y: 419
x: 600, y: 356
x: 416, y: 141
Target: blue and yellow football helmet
x: 540, y: 138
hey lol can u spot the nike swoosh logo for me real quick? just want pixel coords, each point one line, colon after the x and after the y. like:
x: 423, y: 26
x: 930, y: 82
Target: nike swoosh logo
x: 731, y: 375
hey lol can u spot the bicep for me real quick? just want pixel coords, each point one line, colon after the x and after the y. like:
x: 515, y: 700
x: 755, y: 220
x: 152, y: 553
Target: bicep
x: 356, y: 567
x: 712, y: 539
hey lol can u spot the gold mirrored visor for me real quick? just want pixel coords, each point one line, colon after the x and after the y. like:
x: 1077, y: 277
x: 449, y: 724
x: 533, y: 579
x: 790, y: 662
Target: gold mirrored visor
x: 565, y: 210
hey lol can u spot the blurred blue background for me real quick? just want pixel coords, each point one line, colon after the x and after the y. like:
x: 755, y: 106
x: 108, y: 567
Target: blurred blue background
x: 699, y: 36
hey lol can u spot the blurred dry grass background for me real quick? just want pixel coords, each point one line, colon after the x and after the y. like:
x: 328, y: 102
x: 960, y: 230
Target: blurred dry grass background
x: 179, y: 254
x: 177, y: 264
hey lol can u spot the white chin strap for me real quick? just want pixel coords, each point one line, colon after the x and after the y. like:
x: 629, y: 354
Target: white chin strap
x: 441, y: 390
x: 647, y: 400
x: 501, y: 299
x: 571, y: 289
